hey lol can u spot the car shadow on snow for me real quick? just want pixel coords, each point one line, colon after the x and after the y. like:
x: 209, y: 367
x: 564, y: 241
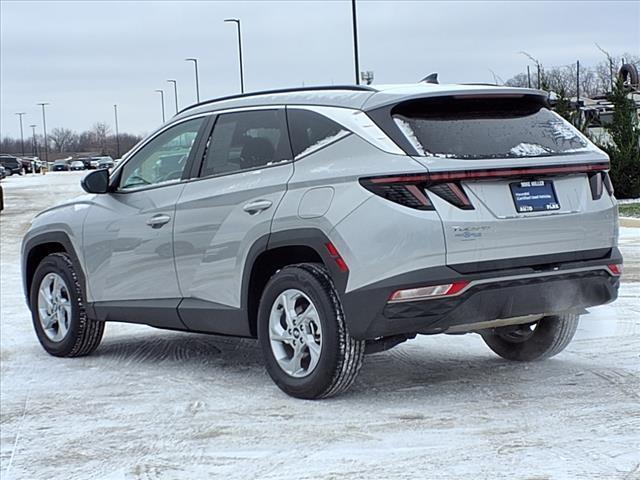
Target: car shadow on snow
x: 437, y: 368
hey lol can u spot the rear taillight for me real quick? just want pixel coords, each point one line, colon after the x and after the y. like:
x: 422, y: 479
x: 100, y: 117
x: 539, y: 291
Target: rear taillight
x: 408, y: 193
x: 424, y: 293
x: 453, y: 193
x: 598, y: 181
x: 411, y: 190
x: 606, y: 179
x: 596, y: 185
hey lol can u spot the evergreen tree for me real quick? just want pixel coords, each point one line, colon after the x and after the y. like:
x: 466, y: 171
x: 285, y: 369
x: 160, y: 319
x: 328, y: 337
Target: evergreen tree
x: 624, y: 147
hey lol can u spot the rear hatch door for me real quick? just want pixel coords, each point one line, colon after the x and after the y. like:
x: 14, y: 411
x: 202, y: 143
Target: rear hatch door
x: 510, y: 178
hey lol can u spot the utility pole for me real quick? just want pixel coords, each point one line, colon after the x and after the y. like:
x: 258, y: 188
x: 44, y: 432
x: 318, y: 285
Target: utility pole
x: 175, y: 92
x: 528, y: 76
x: 195, y: 65
x: 237, y: 22
x: 355, y: 41
x: 162, y: 101
x: 44, y: 127
x: 115, y: 111
x: 20, y: 114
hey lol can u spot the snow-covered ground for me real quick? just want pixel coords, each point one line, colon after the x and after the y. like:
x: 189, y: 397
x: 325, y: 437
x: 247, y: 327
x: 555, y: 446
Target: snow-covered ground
x: 156, y: 404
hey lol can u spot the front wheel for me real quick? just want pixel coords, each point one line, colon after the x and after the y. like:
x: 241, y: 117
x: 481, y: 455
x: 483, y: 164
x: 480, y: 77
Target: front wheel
x: 57, y: 309
x: 306, y: 345
x: 543, y: 339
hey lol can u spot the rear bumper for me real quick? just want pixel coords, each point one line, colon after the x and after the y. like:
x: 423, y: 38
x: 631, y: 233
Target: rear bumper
x: 492, y: 294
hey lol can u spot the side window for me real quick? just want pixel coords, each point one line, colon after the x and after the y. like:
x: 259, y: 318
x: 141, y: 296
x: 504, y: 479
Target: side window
x: 310, y: 131
x: 163, y: 159
x: 245, y: 140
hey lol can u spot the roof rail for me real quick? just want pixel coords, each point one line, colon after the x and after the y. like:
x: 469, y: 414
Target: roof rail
x: 360, y: 88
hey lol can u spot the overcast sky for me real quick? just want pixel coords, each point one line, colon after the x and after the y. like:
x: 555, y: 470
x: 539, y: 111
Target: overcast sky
x: 85, y: 56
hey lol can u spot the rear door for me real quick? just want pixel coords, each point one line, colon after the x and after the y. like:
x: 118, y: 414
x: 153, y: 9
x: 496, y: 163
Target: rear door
x: 226, y: 212
x: 510, y: 178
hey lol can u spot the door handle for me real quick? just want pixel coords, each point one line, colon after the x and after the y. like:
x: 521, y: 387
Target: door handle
x: 256, y: 207
x: 159, y: 220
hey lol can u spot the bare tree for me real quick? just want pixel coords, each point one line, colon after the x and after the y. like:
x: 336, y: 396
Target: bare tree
x: 62, y: 138
x: 520, y: 80
x: 100, y: 132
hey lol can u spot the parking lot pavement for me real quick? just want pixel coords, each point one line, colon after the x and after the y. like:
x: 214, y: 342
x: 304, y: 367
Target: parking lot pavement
x: 157, y: 404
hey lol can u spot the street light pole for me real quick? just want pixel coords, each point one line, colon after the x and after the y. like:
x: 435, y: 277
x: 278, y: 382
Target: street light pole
x: 162, y: 101
x: 175, y: 92
x: 237, y: 22
x: 20, y: 114
x: 44, y: 127
x: 35, y: 145
x: 355, y: 41
x: 115, y: 111
x: 195, y: 65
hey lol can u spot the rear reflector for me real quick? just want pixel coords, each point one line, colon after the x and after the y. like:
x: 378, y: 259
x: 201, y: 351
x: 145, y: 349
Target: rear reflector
x: 333, y: 251
x: 423, y: 293
x: 615, y: 269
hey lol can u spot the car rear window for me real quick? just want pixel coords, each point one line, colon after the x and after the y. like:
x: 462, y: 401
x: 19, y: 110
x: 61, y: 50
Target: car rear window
x: 477, y: 128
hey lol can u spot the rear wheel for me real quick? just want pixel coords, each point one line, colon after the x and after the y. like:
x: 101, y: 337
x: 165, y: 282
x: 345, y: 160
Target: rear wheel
x: 543, y: 339
x: 307, y: 349
x: 57, y: 310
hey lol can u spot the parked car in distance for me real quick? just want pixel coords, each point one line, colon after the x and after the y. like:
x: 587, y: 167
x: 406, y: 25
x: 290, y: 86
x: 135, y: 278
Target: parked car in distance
x: 61, y: 165
x: 30, y: 164
x: 3, y: 172
x: 12, y: 164
x: 331, y: 222
x: 106, y: 163
x: 76, y: 165
x: 86, y: 161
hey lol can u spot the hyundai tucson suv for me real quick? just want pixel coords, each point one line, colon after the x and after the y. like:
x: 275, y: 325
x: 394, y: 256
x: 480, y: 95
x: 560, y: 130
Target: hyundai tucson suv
x: 333, y: 222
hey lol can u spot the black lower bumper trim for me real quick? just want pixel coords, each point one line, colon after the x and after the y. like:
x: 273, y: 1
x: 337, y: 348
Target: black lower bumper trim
x: 369, y: 315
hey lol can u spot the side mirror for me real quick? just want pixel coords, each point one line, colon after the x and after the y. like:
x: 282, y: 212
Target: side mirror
x: 96, y: 182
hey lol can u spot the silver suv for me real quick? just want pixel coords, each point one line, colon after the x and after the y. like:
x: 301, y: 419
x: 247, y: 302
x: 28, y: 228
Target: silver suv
x: 334, y: 222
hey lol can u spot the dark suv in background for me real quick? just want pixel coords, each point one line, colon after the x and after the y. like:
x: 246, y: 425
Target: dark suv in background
x: 11, y: 164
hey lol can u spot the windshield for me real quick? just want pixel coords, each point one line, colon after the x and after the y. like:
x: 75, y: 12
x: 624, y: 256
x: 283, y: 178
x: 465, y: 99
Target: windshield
x: 487, y: 129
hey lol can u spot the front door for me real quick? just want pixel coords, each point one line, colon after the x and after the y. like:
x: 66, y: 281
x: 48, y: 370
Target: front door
x: 128, y: 234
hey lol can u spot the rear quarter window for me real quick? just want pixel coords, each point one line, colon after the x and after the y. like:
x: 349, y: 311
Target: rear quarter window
x: 311, y: 131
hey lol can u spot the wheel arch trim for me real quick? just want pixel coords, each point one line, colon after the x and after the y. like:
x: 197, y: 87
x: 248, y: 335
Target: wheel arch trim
x: 37, y: 244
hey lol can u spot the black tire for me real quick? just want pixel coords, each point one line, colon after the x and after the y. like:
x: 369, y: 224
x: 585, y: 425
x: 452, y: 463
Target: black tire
x: 524, y: 343
x: 84, y: 335
x: 341, y: 355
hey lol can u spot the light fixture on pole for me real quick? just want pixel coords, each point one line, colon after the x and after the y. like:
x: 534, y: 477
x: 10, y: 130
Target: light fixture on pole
x: 237, y: 22
x: 44, y: 128
x: 162, y: 101
x: 175, y: 92
x: 367, y: 77
x: 20, y: 114
x: 195, y: 65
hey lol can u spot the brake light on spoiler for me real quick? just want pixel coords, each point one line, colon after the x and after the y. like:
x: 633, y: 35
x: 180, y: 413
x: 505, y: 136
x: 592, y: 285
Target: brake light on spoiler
x: 410, y: 190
